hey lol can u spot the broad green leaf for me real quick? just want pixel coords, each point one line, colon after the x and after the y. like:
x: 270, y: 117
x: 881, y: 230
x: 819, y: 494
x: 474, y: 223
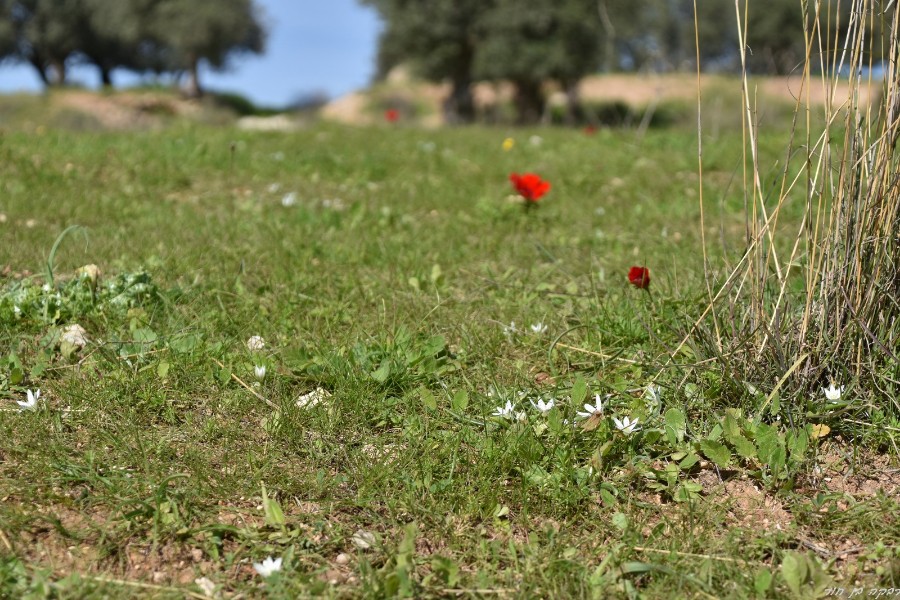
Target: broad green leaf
x: 777, y: 461
x: 731, y: 427
x: 676, y: 425
x: 382, y: 373
x: 743, y: 446
x: 224, y: 375
x: 762, y: 582
x: 579, y: 391
x: 162, y: 369
x: 460, y: 401
x: 716, y: 452
x: 688, y: 461
x: 428, y: 399
x: 766, y: 442
x: 272, y: 510
x: 794, y: 571
x: 798, y: 443
x: 607, y: 498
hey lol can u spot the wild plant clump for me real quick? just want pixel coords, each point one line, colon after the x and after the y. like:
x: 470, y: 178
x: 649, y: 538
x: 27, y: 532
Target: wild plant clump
x: 816, y: 305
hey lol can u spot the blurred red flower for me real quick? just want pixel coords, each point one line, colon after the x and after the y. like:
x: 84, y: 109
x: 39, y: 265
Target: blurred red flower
x: 639, y: 277
x: 392, y: 115
x: 530, y: 186
x: 590, y: 130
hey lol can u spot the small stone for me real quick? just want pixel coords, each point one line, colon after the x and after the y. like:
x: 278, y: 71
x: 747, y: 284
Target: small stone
x: 342, y: 559
x: 363, y: 539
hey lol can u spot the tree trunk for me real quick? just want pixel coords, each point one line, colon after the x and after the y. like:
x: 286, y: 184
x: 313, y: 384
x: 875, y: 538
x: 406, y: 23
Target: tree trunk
x: 610, y: 58
x: 105, y: 76
x: 192, y: 89
x: 459, y: 106
x: 41, y: 70
x: 59, y: 70
x: 529, y: 102
x: 573, y: 102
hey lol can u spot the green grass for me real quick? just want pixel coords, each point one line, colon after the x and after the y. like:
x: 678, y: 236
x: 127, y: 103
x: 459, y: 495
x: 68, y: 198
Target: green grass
x: 389, y: 284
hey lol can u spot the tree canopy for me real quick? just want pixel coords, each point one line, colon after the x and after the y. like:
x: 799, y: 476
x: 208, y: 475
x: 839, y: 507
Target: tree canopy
x: 141, y: 35
x: 530, y: 42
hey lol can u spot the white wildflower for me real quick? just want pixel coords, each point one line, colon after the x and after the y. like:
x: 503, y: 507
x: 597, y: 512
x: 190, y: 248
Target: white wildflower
x: 507, y: 411
x: 833, y: 394
x: 590, y: 411
x: 260, y: 372
x: 626, y: 425
x: 31, y: 403
x: 256, y: 343
x: 274, y: 188
x: 510, y: 330
x: 289, y: 199
x: 544, y: 407
x: 268, y: 566
x: 535, y: 140
x: 539, y: 328
x: 312, y: 398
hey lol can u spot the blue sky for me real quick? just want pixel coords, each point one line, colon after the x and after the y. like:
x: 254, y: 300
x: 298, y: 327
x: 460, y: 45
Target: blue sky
x: 314, y: 45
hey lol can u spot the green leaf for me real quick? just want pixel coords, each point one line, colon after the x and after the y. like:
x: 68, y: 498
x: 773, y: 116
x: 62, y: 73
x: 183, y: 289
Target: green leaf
x: 16, y: 376
x: 428, y: 399
x: 607, y: 498
x: 798, y: 443
x: 688, y: 461
x: 224, y: 375
x: 460, y: 401
x: 731, y: 427
x: 676, y: 425
x: 743, y: 446
x: 777, y: 461
x: 185, y: 343
x: 766, y: 442
x: 716, y: 452
x: 162, y: 369
x: 762, y: 582
x: 620, y: 521
x: 634, y: 566
x: 794, y: 571
x: 272, y: 510
x: 436, y: 274
x: 382, y: 373
x: 447, y: 569
x: 579, y: 390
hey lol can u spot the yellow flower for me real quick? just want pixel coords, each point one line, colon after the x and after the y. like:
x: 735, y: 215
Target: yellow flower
x: 508, y: 143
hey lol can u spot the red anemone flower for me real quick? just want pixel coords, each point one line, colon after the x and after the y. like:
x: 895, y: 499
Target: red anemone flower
x: 639, y: 277
x: 590, y: 130
x: 392, y: 115
x: 530, y: 186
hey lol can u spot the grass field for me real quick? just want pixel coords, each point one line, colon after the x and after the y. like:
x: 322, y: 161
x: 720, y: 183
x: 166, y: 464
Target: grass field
x: 383, y: 267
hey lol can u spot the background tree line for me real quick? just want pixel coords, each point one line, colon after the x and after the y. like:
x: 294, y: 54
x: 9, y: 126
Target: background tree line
x: 146, y: 36
x: 530, y: 42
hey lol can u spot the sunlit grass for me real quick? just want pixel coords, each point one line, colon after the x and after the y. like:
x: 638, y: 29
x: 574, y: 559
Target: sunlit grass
x: 384, y: 293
